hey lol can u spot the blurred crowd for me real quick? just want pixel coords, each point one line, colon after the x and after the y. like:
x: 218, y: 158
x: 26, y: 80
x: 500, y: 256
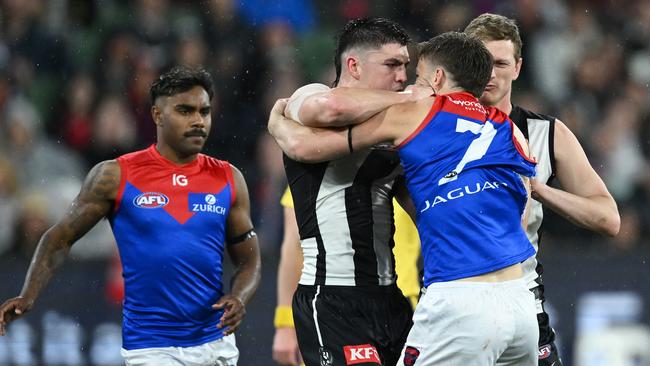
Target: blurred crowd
x: 75, y: 76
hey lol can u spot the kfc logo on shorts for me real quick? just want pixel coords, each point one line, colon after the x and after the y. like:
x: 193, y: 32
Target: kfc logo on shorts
x: 544, y: 352
x: 411, y: 355
x: 362, y: 353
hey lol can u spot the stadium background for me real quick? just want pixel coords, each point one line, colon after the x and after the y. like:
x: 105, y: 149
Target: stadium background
x: 74, y: 79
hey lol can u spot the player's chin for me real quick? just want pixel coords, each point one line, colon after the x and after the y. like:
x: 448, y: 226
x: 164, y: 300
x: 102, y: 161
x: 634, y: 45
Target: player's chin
x: 488, y: 97
x: 193, y: 148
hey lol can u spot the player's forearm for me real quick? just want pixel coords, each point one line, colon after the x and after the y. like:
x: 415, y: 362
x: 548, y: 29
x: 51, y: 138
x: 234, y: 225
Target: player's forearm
x: 246, y: 279
x: 596, y: 213
x: 50, y: 253
x: 306, y: 144
x: 344, y: 106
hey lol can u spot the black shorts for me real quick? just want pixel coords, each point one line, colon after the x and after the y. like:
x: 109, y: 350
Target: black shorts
x: 351, y: 325
x: 548, y: 354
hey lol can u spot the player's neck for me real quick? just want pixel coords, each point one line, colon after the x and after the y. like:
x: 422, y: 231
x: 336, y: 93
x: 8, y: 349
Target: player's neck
x: 174, y: 156
x: 348, y: 81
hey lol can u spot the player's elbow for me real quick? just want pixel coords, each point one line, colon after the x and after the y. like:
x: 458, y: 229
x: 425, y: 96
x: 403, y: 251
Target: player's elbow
x: 329, y: 110
x: 611, y: 224
x: 299, y: 150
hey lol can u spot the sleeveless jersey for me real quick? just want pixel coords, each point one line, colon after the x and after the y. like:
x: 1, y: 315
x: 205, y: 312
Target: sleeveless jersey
x: 344, y: 213
x: 169, y: 222
x: 406, y: 250
x: 462, y: 169
x: 539, y: 130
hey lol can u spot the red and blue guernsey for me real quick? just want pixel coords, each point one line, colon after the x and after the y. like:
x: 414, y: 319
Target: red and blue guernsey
x: 463, y: 167
x: 170, y: 226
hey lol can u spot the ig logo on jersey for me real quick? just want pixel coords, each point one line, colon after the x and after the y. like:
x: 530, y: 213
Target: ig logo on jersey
x: 150, y: 200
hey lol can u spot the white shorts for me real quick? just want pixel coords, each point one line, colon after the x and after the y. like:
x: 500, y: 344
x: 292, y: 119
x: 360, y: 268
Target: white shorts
x: 222, y: 352
x: 473, y: 323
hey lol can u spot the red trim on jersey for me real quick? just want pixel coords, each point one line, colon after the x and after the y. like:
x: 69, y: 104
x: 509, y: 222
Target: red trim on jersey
x: 120, y: 190
x: 517, y: 144
x: 231, y: 181
x: 158, y: 156
x: 496, y: 115
x: 435, y: 108
x: 464, y: 105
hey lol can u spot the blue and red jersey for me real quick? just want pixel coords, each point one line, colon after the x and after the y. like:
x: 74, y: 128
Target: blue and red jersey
x: 169, y: 222
x: 463, y: 167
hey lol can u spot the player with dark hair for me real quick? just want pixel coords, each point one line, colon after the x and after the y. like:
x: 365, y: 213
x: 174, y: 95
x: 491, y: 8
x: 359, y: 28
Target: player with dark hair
x: 173, y: 212
x: 465, y: 168
x: 347, y: 307
x: 584, y: 198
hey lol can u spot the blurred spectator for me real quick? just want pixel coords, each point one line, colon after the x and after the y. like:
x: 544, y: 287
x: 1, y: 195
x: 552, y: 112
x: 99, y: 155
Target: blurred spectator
x: 40, y: 160
x: 76, y: 124
x: 114, y: 131
x: 32, y: 221
x: 8, y: 203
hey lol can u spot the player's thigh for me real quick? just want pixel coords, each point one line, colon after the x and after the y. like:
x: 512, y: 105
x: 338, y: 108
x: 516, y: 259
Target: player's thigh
x: 522, y: 348
x: 455, y: 324
x: 339, y: 330
x: 164, y: 356
x: 221, y: 352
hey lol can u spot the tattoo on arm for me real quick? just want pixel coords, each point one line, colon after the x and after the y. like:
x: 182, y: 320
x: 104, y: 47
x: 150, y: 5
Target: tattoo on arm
x: 93, y: 202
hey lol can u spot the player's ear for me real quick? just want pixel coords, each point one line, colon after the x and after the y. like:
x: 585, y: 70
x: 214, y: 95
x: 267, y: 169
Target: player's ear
x: 353, y: 67
x: 439, y: 78
x: 517, y: 67
x: 156, y: 115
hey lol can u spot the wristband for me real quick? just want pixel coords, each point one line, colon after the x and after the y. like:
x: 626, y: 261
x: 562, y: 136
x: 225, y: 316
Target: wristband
x: 350, y: 138
x: 283, y: 317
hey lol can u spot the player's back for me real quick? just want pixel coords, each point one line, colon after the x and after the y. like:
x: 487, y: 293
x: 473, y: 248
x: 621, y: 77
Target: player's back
x: 462, y: 168
x: 169, y: 224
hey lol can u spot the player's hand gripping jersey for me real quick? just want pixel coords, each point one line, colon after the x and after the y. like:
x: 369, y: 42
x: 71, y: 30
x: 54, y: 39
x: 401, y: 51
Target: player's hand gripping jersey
x: 462, y: 166
x: 170, y: 226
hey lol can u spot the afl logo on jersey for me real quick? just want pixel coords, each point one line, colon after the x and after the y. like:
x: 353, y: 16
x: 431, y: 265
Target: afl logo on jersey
x: 151, y: 200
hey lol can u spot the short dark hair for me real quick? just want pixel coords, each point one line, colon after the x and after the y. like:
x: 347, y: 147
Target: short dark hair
x: 180, y: 79
x: 495, y: 27
x: 462, y: 56
x: 367, y: 32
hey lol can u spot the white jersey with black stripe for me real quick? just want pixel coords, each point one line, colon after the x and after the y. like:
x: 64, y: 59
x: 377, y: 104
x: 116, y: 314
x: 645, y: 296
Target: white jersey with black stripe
x: 539, y: 130
x: 345, y: 218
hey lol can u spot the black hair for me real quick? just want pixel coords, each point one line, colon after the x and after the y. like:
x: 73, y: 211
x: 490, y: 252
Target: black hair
x: 180, y: 79
x: 367, y: 32
x: 464, y: 57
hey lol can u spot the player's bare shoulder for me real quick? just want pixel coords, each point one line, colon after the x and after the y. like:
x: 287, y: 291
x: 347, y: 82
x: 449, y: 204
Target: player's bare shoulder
x: 103, y: 181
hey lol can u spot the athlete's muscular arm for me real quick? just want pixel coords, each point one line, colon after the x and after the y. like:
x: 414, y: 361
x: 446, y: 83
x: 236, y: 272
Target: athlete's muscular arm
x: 584, y: 199
x: 312, y: 145
x: 93, y: 202
x: 316, y: 105
x: 301, y: 143
x: 245, y: 255
x: 285, y: 344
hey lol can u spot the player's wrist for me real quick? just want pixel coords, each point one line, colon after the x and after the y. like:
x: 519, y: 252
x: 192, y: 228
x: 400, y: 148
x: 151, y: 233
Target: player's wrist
x: 283, y: 317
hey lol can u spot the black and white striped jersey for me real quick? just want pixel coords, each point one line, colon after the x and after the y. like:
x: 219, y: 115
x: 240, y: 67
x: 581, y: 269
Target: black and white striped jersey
x: 539, y: 130
x: 344, y: 212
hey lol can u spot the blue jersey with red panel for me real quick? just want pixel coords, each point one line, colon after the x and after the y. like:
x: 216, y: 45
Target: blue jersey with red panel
x: 462, y: 168
x: 170, y: 226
